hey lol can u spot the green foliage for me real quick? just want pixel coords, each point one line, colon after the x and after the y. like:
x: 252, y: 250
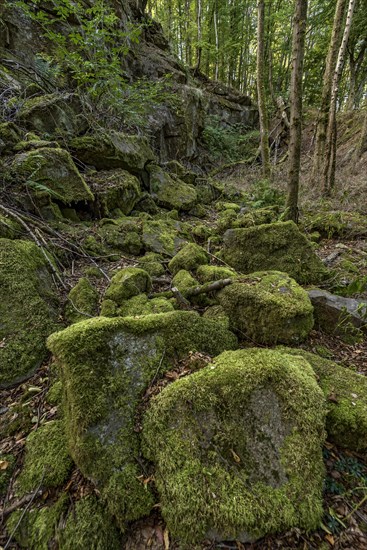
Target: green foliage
x: 228, y: 144
x: 266, y: 195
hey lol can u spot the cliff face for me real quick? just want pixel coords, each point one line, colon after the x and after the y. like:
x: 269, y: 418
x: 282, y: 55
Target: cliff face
x: 175, y: 130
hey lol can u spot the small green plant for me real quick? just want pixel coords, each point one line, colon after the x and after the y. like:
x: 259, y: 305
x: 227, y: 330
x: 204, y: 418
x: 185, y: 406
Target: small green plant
x: 266, y: 195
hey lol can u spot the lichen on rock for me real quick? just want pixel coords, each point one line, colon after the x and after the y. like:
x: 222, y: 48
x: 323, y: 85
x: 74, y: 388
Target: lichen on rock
x: 237, y: 448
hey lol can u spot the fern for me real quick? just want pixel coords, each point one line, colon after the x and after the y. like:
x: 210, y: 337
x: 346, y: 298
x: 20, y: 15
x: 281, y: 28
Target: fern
x: 37, y: 186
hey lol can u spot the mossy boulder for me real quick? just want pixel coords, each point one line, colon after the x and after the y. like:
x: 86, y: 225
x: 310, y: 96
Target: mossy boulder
x: 346, y: 396
x: 208, y: 273
x: 190, y: 257
x: 36, y: 528
x: 82, y: 302
x: 163, y: 236
x: 127, y: 283
x: 28, y: 309
x: 47, y: 461
x: 336, y: 224
x: 52, y: 114
x: 268, y: 307
x: 110, y: 149
x: 51, y: 173
x: 10, y: 135
x: 106, y: 365
x: 237, y: 448
x: 89, y: 526
x: 276, y: 246
x: 152, y: 263
x: 170, y: 193
x: 142, y: 305
x: 124, y: 237
x: 217, y: 313
x: 114, y: 190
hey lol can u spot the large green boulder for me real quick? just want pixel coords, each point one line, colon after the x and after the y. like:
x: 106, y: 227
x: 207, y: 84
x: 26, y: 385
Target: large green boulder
x: 275, y: 246
x: 170, y: 193
x: 237, y: 448
x: 28, y: 309
x: 346, y: 396
x: 51, y: 172
x: 115, y: 191
x: 163, y: 236
x: 109, y: 150
x: 106, y: 365
x: 268, y: 307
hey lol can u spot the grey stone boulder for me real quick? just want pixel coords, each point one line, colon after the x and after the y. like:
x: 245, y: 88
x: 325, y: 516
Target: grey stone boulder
x: 336, y: 314
x: 237, y: 448
x: 106, y: 364
x: 275, y: 246
x: 115, y: 191
x: 170, y: 192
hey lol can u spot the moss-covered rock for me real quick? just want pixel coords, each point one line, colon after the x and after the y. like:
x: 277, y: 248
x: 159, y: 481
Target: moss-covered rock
x: 106, y: 364
x: 189, y: 258
x: 226, y: 220
x: 268, y: 307
x: 208, y: 273
x: 9, y: 228
x: 237, y: 448
x: 36, y: 529
x: 28, y: 309
x: 47, y: 461
x: 128, y: 282
x: 217, y: 313
x: 82, y: 302
x: 276, y: 246
x: 176, y: 168
x: 124, y: 236
x: 117, y: 189
x: 89, y: 526
x: 54, y: 114
x: 346, y: 396
x: 336, y: 224
x: 184, y: 281
x: 110, y: 149
x: 163, y: 236
x: 151, y: 262
x: 142, y: 305
x: 169, y: 192
x: 10, y: 135
x: 51, y: 173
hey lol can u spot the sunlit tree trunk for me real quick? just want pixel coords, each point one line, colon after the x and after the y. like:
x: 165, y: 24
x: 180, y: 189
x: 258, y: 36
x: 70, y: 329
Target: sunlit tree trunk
x: 328, y: 173
x: 326, y: 90
x: 261, y: 95
x: 298, y: 48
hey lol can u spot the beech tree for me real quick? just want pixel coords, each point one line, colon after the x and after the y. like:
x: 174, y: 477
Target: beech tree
x: 261, y: 94
x: 298, y: 47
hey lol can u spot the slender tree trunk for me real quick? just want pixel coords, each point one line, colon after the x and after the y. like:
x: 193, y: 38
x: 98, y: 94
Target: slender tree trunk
x: 216, y: 72
x: 362, y: 145
x: 199, y: 35
x: 298, y: 49
x: 326, y: 90
x: 328, y: 173
x: 261, y: 96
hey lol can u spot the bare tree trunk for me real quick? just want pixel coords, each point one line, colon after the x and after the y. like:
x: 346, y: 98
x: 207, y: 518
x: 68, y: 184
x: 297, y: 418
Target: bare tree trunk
x: 328, y: 173
x: 199, y: 35
x: 362, y: 145
x: 326, y: 90
x: 264, y: 125
x: 216, y: 73
x: 298, y: 50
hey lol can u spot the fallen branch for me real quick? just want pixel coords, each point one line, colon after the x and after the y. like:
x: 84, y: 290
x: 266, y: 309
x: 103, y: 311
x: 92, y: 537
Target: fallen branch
x: 208, y: 287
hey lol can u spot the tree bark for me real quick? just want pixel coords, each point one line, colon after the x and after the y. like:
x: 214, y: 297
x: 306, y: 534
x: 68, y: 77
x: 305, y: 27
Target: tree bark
x: 326, y: 90
x: 328, y: 173
x: 298, y: 49
x: 261, y: 96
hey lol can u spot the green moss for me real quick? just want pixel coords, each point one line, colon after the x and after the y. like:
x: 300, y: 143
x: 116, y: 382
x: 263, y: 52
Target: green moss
x: 188, y: 258
x: 28, y: 309
x: 169, y: 191
x: 237, y: 447
x: 127, y: 283
x: 220, y: 206
x: 218, y: 314
x: 38, y: 527
x: 208, y: 273
x: 184, y: 281
x: 54, y: 394
x: 142, y: 305
x: 346, y: 396
x: 226, y: 220
x: 115, y: 190
x: 9, y: 228
x: 276, y: 246
x: 202, y: 231
x: 89, y: 526
x: 108, y: 308
x: 47, y: 461
x: 55, y: 171
x: 82, y: 302
x: 163, y: 236
x: 93, y: 272
x: 256, y: 217
x: 336, y: 224
x: 268, y: 307
x: 7, y: 467
x: 106, y: 365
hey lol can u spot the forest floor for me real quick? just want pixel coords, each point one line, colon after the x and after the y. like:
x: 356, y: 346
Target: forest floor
x: 24, y: 407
